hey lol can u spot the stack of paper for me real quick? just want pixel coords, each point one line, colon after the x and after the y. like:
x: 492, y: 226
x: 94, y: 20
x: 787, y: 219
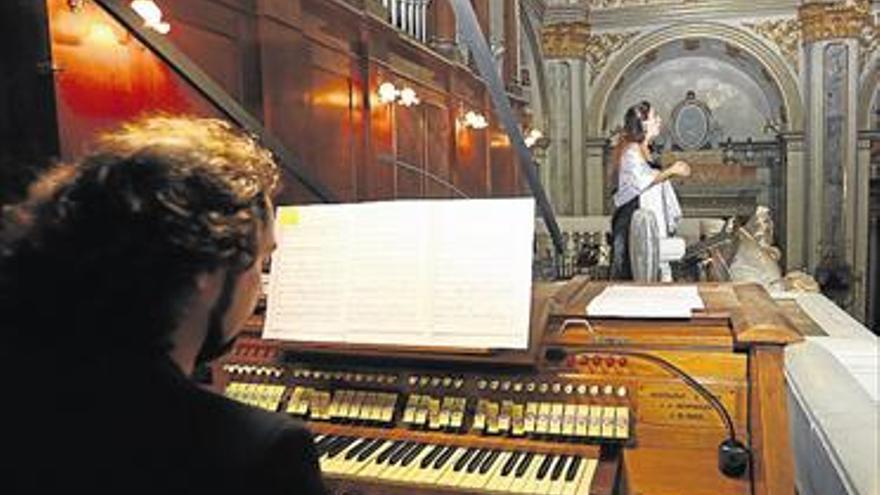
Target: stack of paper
x: 653, y: 301
x: 448, y: 273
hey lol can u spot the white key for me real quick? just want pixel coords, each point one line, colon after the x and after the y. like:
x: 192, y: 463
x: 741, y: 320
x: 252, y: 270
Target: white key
x: 587, y: 478
x: 412, y: 472
x: 556, y: 486
x: 529, y: 481
x: 494, y: 478
x: 357, y: 466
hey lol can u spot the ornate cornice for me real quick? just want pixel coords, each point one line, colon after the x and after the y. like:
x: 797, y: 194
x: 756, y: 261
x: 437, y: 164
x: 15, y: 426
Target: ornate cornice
x: 600, y: 47
x: 565, y: 39
x: 785, y: 33
x: 825, y: 21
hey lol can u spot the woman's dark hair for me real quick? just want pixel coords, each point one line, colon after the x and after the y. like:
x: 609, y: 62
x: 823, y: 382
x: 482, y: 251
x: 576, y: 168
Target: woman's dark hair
x: 104, y: 254
x: 633, y: 130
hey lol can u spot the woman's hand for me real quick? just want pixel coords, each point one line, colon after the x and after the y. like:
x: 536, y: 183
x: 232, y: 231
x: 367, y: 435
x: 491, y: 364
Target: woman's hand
x: 680, y: 168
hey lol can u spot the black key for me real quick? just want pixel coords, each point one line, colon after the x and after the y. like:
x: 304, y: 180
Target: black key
x: 367, y: 452
x: 428, y: 459
x: 322, y: 444
x: 335, y: 451
x: 558, y: 467
x: 412, y: 454
x: 573, y: 469
x: 490, y: 460
x: 361, y: 445
x: 511, y: 462
x: 477, y: 460
x: 390, y: 450
x: 524, y: 465
x: 443, y: 458
x: 545, y: 467
x: 327, y: 447
x: 462, y: 461
x: 399, y: 453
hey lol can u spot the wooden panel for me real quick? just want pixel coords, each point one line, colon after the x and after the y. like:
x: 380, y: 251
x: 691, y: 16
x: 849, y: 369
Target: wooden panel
x: 211, y: 34
x: 501, y: 164
x: 439, y: 143
x: 108, y: 77
x: 327, y: 142
x: 772, y: 465
x: 410, y: 131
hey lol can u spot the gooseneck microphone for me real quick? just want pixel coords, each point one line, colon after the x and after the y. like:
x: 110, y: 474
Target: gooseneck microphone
x: 733, y: 455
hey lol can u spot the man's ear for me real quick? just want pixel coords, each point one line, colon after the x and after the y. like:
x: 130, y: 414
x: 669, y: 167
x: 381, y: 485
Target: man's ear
x: 208, y: 284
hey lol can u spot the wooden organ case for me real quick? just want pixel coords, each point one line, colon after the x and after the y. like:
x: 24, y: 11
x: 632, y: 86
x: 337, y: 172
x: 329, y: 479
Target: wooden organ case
x: 591, y: 408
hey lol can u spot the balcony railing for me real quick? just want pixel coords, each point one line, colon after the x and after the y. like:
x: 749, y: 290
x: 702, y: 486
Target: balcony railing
x: 410, y: 16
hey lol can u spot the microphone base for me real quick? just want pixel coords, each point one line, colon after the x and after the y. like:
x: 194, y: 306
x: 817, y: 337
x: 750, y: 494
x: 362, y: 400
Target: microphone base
x: 733, y: 458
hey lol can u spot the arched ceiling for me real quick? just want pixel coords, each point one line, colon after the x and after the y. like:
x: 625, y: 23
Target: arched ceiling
x: 734, y: 84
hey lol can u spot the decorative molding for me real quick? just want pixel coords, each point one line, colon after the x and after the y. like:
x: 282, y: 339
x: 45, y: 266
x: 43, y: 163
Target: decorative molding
x: 869, y: 41
x: 785, y: 33
x: 613, y: 4
x: 600, y: 47
x: 826, y: 21
x: 565, y: 39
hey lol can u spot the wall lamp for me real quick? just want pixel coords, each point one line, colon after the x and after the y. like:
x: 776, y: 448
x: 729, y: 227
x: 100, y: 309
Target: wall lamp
x: 474, y: 120
x: 535, y: 138
x: 388, y: 93
x: 152, y: 15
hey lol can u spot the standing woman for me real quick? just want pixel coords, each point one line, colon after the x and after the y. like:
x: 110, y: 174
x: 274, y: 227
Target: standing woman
x: 640, y: 184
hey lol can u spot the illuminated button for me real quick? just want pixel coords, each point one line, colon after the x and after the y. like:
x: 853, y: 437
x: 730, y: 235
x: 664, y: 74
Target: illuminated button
x: 530, y: 387
x: 494, y: 385
x: 608, y: 390
x: 594, y: 390
x: 424, y: 381
x: 543, y: 388
x: 435, y: 382
x: 610, y: 361
x: 582, y: 389
x: 447, y: 382
x: 413, y: 380
x: 621, y: 391
x: 359, y: 377
x: 391, y: 378
x: 458, y: 383
x: 317, y: 375
x: 481, y: 385
x: 569, y: 388
x: 517, y: 387
x: 306, y: 374
x: 557, y: 387
x: 505, y: 386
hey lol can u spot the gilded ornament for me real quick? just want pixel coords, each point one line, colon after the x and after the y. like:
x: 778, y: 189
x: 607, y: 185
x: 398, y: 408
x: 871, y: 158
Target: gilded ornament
x: 565, y: 39
x: 785, y: 33
x: 600, y: 47
x: 825, y: 21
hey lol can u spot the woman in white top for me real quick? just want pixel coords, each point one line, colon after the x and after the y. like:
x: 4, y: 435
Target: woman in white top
x: 640, y: 184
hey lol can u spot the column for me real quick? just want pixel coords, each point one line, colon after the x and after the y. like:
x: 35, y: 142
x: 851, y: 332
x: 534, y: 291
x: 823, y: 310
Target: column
x: 795, y: 202
x: 564, y: 42
x: 836, y: 202
x: 442, y: 28
x: 510, y: 65
x: 595, y: 175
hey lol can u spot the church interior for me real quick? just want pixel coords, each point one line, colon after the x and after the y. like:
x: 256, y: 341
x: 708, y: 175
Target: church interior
x: 774, y: 104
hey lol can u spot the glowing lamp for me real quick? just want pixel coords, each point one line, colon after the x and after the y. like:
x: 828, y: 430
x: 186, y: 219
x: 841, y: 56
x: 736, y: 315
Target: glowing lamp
x: 152, y: 15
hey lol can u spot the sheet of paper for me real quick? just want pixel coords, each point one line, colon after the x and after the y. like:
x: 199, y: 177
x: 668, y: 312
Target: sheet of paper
x: 649, y: 301
x: 449, y: 273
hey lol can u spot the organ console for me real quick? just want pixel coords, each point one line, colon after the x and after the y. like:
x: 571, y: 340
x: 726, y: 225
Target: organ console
x: 590, y: 408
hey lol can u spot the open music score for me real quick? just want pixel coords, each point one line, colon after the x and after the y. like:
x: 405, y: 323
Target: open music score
x: 426, y: 273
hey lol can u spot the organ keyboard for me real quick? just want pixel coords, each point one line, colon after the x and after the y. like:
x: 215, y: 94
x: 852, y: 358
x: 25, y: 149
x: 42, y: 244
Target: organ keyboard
x: 586, y: 410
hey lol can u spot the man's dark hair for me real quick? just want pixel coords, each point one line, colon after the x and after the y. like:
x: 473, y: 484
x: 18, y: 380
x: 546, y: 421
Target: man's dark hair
x: 104, y: 254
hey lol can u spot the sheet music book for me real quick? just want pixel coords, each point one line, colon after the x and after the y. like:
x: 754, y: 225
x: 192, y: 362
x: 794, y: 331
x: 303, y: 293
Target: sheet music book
x: 436, y: 273
x: 648, y: 301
